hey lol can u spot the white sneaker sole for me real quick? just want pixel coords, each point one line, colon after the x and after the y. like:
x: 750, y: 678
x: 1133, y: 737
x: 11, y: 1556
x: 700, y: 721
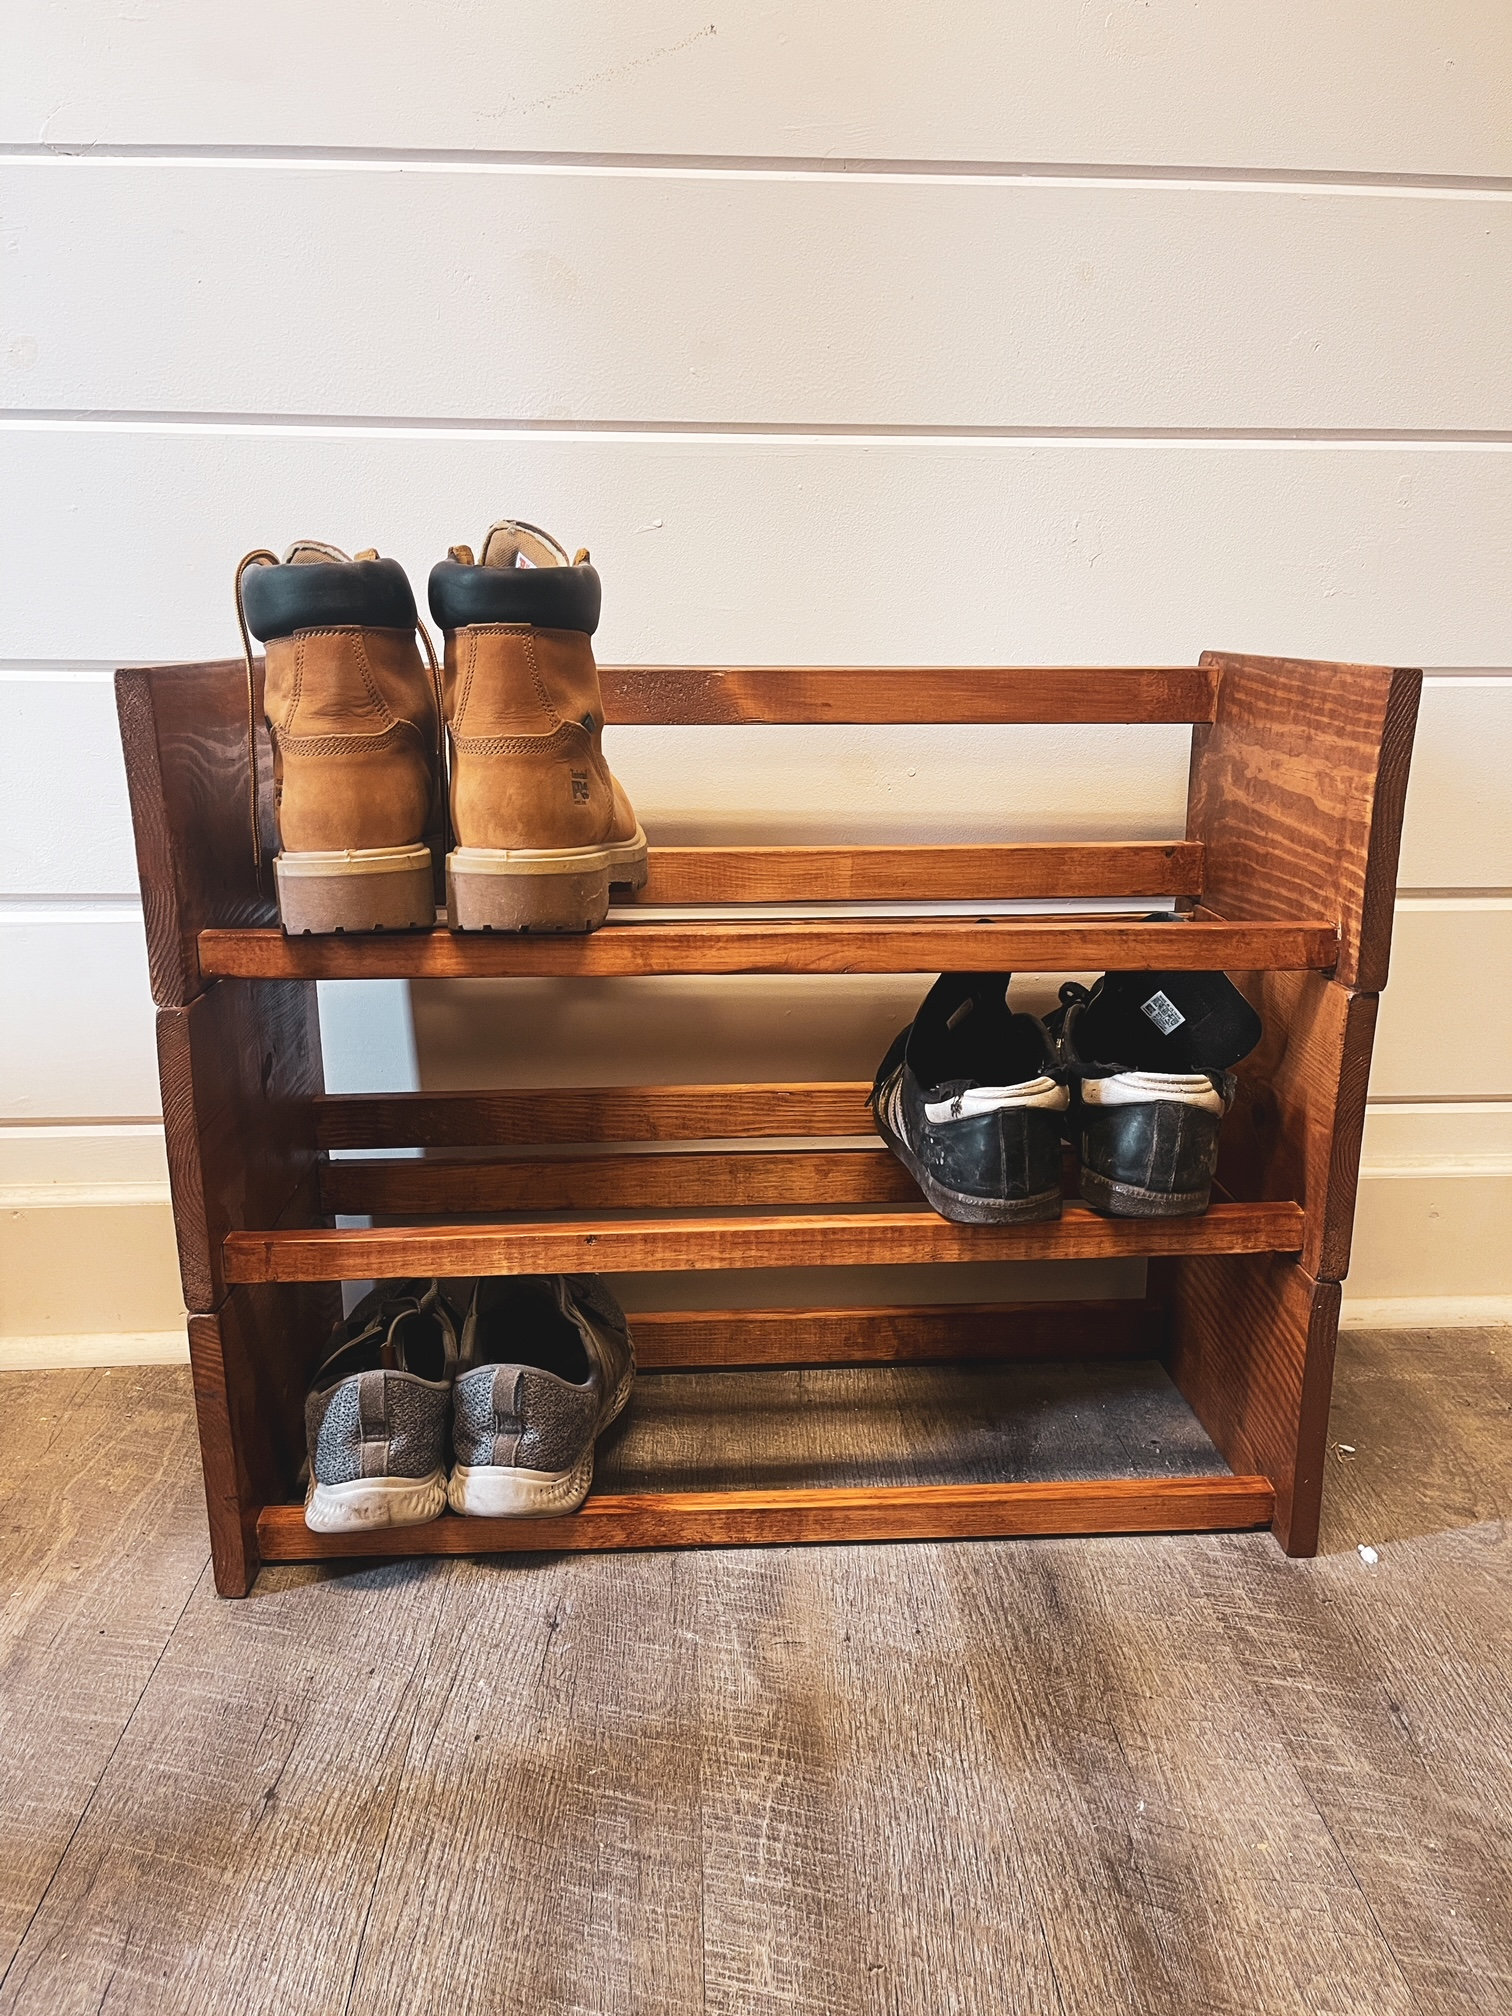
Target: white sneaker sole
x: 503, y: 1491
x: 368, y: 1502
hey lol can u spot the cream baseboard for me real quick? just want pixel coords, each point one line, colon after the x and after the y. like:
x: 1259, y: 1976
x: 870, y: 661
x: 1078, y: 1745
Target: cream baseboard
x: 89, y: 1275
x: 97, y: 1348
x: 1426, y: 1312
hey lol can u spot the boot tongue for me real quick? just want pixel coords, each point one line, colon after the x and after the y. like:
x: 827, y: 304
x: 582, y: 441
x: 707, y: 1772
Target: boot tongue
x: 1167, y: 1022
x: 313, y: 553
x: 512, y: 543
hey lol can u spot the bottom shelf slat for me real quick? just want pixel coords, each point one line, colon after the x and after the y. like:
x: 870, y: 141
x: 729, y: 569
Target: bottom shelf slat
x: 798, y: 1518
x: 684, y: 1340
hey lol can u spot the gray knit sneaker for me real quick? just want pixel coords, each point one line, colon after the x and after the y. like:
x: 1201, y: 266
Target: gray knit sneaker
x: 375, y: 1417
x: 547, y: 1364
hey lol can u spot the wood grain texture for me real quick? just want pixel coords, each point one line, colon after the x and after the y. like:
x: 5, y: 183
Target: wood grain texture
x: 184, y: 736
x: 548, y: 1115
x: 695, y: 695
x: 1297, y: 790
x: 1390, y: 1683
x: 1252, y: 1349
x: 238, y: 1068
x: 1297, y: 1124
x: 228, y: 1857
x: 921, y: 874
x: 682, y: 1339
x: 97, y: 1560
x: 885, y: 1237
x: 886, y: 945
x: 1176, y: 1865
x: 618, y: 1182
x: 803, y: 1518
x: 570, y: 1793
x: 1165, y: 1774
x: 251, y: 1364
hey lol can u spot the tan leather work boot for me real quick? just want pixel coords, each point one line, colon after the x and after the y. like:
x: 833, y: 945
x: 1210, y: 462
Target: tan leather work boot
x: 352, y: 713
x: 540, y: 827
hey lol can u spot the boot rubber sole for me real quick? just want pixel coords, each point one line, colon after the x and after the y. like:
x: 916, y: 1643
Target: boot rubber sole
x: 368, y: 1502
x: 539, y: 888
x: 1129, y: 1200
x: 361, y: 889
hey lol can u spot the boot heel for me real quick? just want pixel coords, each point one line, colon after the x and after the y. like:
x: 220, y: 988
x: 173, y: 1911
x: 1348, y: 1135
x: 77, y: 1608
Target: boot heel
x: 538, y: 889
x: 367, y: 889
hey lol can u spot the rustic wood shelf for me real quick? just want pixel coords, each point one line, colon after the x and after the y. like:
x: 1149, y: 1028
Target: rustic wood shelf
x: 881, y: 1238
x: 1284, y: 876
x: 806, y: 1518
x: 878, y: 945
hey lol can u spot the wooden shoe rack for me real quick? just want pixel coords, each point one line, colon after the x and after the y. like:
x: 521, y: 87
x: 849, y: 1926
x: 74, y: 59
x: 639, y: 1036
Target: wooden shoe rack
x: 1285, y: 877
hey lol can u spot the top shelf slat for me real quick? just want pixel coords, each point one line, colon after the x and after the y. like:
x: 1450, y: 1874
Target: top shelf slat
x: 875, y: 945
x: 737, y: 695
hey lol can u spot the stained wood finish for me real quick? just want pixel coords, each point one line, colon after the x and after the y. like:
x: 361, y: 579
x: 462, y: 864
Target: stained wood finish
x: 700, y: 696
x: 618, y: 1182
x: 184, y: 735
x: 1296, y: 1127
x: 251, y: 1363
x: 687, y: 1339
x: 1251, y: 1349
x: 550, y: 1116
x: 884, y: 945
x: 1297, y: 791
x: 1294, y: 817
x: 917, y: 874
x: 823, y: 1239
x: 238, y: 1068
x: 804, y: 1518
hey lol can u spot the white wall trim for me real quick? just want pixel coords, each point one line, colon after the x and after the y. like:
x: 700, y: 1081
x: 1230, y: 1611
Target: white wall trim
x: 110, y: 1347
x: 1427, y: 1312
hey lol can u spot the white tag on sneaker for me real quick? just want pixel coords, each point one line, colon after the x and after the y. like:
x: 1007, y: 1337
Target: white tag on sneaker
x: 1163, y: 1012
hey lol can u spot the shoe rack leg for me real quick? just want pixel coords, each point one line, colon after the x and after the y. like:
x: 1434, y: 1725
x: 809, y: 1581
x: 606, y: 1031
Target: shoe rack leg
x: 1251, y: 1348
x: 251, y: 1361
x: 240, y: 1070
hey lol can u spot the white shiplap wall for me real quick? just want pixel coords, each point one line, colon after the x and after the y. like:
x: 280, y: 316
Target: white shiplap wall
x: 965, y: 334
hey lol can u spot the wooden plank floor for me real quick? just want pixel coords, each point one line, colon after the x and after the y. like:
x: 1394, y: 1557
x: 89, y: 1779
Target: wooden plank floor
x: 1182, y: 1776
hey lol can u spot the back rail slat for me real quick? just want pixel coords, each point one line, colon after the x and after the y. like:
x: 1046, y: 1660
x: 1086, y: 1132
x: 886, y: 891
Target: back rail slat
x: 1051, y: 870
x: 563, y: 1116
x: 980, y: 695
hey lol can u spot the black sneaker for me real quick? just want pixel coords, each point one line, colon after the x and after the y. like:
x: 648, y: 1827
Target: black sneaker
x: 970, y: 1101
x: 1147, y: 1057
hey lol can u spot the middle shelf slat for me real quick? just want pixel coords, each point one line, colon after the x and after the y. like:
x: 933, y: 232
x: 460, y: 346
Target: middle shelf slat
x: 899, y: 1237
x: 384, y: 1187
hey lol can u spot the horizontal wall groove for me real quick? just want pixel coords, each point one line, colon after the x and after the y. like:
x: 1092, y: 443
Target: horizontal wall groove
x: 779, y: 433
x: 761, y: 167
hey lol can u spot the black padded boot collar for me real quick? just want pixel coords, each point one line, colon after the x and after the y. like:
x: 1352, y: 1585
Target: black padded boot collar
x: 320, y: 595
x: 552, y: 598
